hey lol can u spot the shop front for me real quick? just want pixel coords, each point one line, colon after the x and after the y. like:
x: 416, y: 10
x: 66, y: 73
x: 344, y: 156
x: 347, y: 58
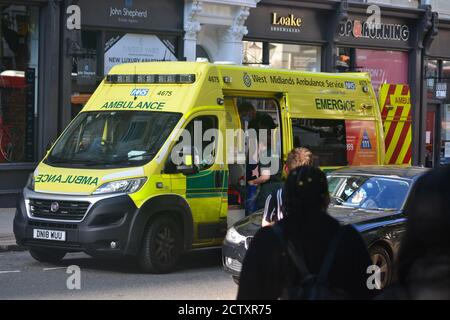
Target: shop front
x: 48, y: 71
x: 290, y: 36
x: 24, y: 77
x: 388, y: 53
x: 115, y: 32
x: 437, y: 97
x: 337, y: 37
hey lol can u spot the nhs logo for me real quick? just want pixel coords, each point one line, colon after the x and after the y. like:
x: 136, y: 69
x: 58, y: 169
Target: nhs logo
x: 139, y: 92
x: 350, y: 85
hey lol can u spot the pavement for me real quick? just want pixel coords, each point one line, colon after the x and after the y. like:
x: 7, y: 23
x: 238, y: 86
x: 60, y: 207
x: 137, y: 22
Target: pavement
x: 7, y: 240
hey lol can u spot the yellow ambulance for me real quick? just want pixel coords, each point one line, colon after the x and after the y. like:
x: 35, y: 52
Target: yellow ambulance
x: 110, y: 186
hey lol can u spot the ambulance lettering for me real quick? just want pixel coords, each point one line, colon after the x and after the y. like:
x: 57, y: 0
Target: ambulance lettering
x: 147, y: 105
x: 70, y: 179
x: 333, y: 104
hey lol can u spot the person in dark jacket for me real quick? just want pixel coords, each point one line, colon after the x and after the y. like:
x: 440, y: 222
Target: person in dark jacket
x: 423, y: 264
x: 308, y: 226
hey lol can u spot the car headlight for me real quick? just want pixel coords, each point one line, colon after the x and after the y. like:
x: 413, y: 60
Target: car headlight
x: 30, y: 182
x: 121, y: 186
x: 234, y: 237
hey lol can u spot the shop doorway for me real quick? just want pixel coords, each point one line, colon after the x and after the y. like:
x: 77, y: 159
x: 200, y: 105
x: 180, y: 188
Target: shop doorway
x: 433, y: 136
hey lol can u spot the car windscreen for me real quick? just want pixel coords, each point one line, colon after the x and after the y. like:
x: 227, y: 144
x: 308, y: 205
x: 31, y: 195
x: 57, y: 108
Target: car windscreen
x: 113, y: 139
x: 366, y: 192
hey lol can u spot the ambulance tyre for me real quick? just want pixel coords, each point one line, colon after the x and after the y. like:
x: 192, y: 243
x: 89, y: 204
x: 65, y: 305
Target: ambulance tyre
x: 47, y: 255
x: 162, y: 246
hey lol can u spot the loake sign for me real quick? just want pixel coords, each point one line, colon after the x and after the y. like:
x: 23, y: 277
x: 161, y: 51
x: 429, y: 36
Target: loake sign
x: 289, y: 21
x: 271, y: 22
x: 285, y: 23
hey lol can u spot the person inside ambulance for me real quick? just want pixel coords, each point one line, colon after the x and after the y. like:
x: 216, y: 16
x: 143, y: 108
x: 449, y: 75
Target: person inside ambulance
x: 260, y: 176
x: 247, y: 114
x: 257, y: 173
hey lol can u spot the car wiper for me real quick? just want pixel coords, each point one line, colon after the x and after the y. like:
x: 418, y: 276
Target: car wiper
x: 145, y: 154
x: 57, y: 161
x: 90, y: 163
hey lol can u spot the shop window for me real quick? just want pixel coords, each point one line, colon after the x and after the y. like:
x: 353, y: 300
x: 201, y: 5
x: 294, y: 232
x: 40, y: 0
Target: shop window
x: 129, y: 47
x: 201, y: 53
x: 252, y: 53
x: 431, y: 74
x: 383, y: 66
x: 84, y: 63
x: 119, y: 47
x: 19, y: 46
x: 446, y: 69
x: 344, y: 59
x: 445, y: 147
x: 295, y: 57
x: 85, y: 73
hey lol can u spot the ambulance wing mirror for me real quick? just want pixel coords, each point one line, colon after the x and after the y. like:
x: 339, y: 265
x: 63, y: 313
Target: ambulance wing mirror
x: 190, y: 161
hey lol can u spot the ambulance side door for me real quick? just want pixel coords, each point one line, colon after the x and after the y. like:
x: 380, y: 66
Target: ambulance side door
x: 207, y: 189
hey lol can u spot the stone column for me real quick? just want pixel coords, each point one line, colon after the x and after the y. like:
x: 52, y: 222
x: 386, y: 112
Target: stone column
x: 230, y: 41
x: 191, y: 28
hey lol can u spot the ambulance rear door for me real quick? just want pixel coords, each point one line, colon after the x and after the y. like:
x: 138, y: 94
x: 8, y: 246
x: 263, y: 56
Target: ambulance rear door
x: 395, y: 105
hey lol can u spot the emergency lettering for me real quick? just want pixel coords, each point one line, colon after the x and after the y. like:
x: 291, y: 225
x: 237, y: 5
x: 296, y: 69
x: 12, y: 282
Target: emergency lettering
x: 335, y: 104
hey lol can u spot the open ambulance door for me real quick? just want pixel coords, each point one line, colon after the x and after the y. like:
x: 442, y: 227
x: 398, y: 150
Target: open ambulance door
x: 395, y: 105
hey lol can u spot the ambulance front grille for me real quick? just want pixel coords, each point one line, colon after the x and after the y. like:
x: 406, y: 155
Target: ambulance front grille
x: 65, y: 210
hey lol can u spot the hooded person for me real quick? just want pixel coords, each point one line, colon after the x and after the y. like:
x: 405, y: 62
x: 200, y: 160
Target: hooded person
x: 423, y: 264
x: 267, y: 271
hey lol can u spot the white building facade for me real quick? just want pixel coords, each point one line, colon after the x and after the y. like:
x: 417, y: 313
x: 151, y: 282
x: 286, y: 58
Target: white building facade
x: 214, y: 29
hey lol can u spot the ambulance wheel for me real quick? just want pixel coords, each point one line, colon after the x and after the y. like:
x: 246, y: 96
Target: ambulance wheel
x: 47, y: 255
x: 162, y: 246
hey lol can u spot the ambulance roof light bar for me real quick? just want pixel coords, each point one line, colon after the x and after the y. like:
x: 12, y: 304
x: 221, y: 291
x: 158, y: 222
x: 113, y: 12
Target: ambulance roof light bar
x: 151, y: 78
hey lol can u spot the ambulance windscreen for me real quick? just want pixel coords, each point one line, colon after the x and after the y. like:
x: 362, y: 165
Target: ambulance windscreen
x: 112, y: 139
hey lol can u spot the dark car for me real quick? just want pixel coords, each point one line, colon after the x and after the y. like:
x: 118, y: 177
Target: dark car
x: 369, y: 198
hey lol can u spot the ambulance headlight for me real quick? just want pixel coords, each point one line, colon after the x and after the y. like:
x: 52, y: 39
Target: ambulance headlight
x: 121, y: 186
x: 30, y: 182
x: 234, y: 237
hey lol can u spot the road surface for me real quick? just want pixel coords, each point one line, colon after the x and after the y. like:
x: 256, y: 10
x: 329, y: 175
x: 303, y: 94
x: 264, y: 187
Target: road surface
x: 200, y: 276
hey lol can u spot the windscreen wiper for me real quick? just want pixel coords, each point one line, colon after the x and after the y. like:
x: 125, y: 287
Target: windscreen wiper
x: 145, y: 154
x: 57, y: 161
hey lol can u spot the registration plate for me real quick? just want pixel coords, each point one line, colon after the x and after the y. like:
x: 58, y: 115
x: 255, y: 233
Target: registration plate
x: 49, y: 234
